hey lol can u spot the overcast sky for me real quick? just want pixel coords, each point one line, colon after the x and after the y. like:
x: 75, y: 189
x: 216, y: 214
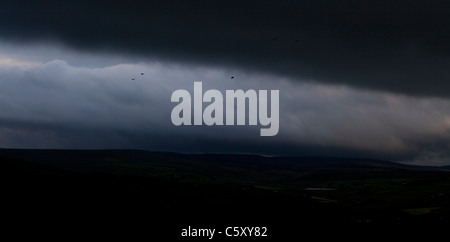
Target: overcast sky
x: 356, y: 78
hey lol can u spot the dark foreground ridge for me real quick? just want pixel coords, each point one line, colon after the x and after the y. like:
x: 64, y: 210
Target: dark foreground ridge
x: 129, y: 194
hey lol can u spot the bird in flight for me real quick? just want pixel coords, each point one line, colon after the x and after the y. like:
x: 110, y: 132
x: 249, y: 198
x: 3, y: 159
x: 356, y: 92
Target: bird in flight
x: 142, y: 73
x: 274, y: 38
x: 232, y: 77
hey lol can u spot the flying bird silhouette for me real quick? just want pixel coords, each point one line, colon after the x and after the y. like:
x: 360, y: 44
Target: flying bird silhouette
x: 232, y: 77
x: 142, y: 73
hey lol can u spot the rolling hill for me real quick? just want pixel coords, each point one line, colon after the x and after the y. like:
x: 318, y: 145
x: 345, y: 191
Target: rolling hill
x: 123, y: 193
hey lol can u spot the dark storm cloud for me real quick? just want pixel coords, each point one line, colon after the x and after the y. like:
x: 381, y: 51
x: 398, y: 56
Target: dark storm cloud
x: 400, y: 46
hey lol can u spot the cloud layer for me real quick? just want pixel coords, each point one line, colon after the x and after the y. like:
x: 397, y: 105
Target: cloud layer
x: 54, y: 104
x: 399, y: 46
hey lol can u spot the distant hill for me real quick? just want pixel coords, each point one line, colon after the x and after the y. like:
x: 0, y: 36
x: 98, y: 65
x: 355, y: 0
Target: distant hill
x: 91, y: 160
x: 226, y: 166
